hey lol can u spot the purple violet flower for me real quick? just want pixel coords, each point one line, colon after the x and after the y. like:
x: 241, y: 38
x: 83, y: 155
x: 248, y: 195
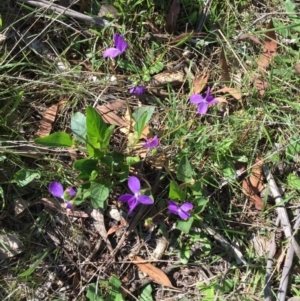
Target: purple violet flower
x: 57, y: 190
x: 137, y: 90
x: 152, y: 142
x: 203, y: 102
x: 134, y: 199
x: 182, y: 210
x: 120, y: 44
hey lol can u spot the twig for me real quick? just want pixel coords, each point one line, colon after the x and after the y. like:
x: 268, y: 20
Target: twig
x: 204, y: 15
x: 267, y: 289
x: 97, y: 215
x: 281, y: 211
x: 292, y: 246
x: 224, y: 243
x: 68, y: 12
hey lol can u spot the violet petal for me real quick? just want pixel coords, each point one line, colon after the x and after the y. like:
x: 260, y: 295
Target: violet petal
x: 202, y: 108
x: 173, y: 207
x: 132, y: 204
x: 137, y: 90
x: 187, y: 206
x: 152, y: 143
x: 111, y: 52
x: 196, y: 98
x: 134, y: 184
x: 72, y: 192
x: 145, y: 199
x: 120, y: 43
x: 183, y: 215
x: 69, y: 205
x: 56, y: 189
x: 126, y: 198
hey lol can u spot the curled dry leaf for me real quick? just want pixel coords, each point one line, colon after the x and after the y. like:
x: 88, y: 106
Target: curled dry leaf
x: 253, y: 185
x: 221, y: 99
x: 261, y: 86
x: 232, y: 91
x: 109, y: 116
x: 269, y: 48
x: 108, y: 9
x: 297, y: 69
x: 200, y: 82
x: 56, y: 206
x: 115, y: 228
x: 172, y: 16
x: 153, y: 272
x: 168, y: 77
x: 45, y: 125
x: 253, y: 38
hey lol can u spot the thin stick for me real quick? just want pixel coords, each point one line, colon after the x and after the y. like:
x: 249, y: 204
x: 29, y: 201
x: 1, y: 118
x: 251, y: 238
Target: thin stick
x: 67, y: 12
x: 292, y: 246
x: 267, y: 289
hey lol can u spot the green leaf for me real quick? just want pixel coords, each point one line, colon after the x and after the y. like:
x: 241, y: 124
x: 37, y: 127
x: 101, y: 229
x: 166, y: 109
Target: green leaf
x: 96, y: 128
x: 128, y: 66
x: 132, y: 160
x: 58, y: 139
x: 289, y: 6
x: 78, y: 126
x: 201, y: 204
x: 185, y: 254
x: 25, y: 176
x: 139, y: 112
x: 114, y: 294
x: 140, y: 125
x: 156, y: 67
x: 228, y: 170
x: 146, y: 294
x: 184, y: 172
x: 176, y: 193
x: 108, y: 161
x: 293, y: 148
x: 99, y: 194
x: 293, y: 181
x: 197, y: 188
x: 86, y: 166
x: 34, y: 265
x: 185, y: 225
x: 93, y: 294
x: 107, y: 136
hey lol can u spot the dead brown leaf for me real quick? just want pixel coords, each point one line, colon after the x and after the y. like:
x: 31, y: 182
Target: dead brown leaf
x: 83, y: 6
x: 45, y: 125
x: 153, y: 272
x: 172, y: 16
x: 253, y: 185
x: 56, y: 206
x: 221, y: 99
x: 113, y: 229
x: 247, y: 36
x: 269, y: 48
x: 168, y: 77
x: 232, y: 91
x: 76, y: 280
x: 224, y: 67
x: 200, y: 82
x: 297, y: 69
x: 261, y: 86
x: 256, y: 178
x: 109, y: 116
